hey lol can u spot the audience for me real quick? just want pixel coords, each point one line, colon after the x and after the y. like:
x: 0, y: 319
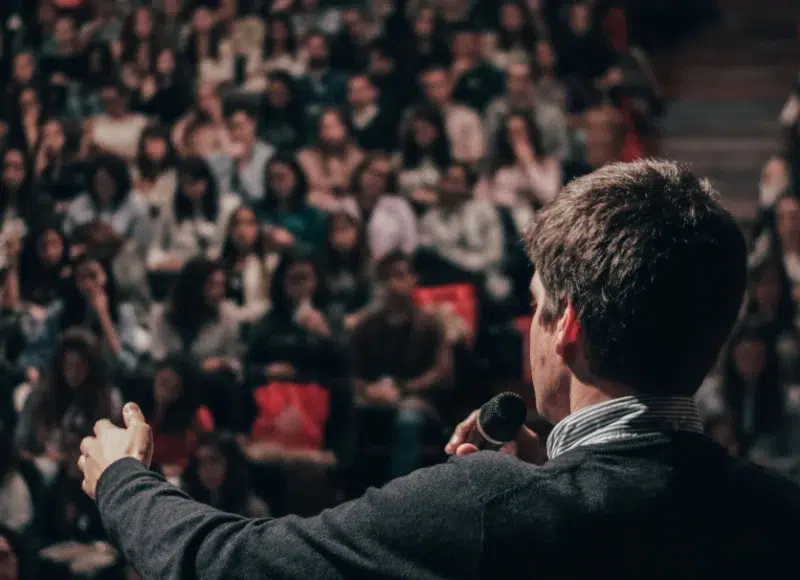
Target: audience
x: 289, y: 231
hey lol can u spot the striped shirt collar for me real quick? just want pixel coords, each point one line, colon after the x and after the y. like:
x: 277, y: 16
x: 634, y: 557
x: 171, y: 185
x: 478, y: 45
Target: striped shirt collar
x: 624, y: 418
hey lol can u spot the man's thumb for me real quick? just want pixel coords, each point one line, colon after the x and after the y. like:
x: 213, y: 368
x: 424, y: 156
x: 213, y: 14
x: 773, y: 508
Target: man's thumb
x: 132, y: 415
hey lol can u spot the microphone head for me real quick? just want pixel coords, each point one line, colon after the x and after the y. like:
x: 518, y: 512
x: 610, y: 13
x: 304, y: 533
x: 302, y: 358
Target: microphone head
x: 501, y: 418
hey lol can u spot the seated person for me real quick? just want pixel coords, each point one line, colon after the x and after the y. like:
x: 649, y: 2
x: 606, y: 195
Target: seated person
x: 198, y: 323
x: 293, y: 345
x: 461, y: 238
x: 402, y: 360
x: 73, y: 394
x: 217, y: 475
x: 169, y: 396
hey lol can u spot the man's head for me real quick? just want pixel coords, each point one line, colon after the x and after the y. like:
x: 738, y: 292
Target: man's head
x: 466, y: 42
x: 242, y: 125
x: 396, y: 273
x: 361, y: 93
x: 437, y: 85
x: 456, y: 185
x: 112, y: 94
x: 317, y: 49
x: 519, y: 82
x: 640, y: 276
x: 64, y: 32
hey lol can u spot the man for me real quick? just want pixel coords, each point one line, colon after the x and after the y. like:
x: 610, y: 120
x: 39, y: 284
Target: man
x: 373, y: 128
x: 640, y: 278
x: 321, y: 86
x: 463, y: 125
x: 521, y: 96
x: 402, y: 363
x: 461, y: 236
x: 475, y: 81
x: 242, y: 168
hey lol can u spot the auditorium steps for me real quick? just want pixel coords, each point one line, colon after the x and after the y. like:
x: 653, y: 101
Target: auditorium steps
x: 727, y: 87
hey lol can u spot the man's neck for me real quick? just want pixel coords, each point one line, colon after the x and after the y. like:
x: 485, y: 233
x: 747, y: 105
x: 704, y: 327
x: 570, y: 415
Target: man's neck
x: 583, y: 394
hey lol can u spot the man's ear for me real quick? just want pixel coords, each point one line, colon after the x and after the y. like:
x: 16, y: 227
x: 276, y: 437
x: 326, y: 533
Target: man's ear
x: 568, y: 329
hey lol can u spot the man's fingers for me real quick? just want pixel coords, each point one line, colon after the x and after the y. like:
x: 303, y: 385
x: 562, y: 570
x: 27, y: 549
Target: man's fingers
x: 82, y: 463
x: 461, y: 431
x: 86, y: 445
x: 132, y: 415
x: 466, y: 449
x: 142, y: 442
x: 101, y: 426
x: 87, y: 488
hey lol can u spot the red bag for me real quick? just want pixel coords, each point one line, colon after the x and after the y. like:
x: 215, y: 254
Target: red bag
x: 293, y: 415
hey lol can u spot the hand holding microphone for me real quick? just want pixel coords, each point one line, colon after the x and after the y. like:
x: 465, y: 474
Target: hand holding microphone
x: 498, y: 425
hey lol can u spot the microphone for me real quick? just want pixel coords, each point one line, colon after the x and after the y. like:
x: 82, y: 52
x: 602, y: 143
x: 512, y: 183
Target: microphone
x: 499, y: 421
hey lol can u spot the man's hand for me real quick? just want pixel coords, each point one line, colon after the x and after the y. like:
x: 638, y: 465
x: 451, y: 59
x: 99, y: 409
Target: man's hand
x: 528, y: 446
x: 111, y: 444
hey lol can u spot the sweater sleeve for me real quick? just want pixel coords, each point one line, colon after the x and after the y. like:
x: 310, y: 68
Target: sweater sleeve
x: 411, y: 528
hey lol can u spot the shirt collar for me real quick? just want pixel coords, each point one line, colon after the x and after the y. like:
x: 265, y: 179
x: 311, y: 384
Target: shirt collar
x: 624, y: 418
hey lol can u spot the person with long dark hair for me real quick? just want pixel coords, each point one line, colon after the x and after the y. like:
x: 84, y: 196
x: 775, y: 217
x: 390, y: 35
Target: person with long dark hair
x: 329, y: 163
x: 89, y: 301
x: 293, y: 348
x: 21, y: 208
x: 282, y: 123
x: 165, y: 92
x: 206, y: 111
x: 750, y: 388
x: 203, y: 44
x: 281, y: 47
x: 108, y: 199
x: 139, y: 43
x: 171, y: 396
x: 347, y: 267
x: 285, y: 206
x: 198, y: 323
x: 425, y: 153
x: 84, y: 99
x: 25, y: 124
x: 155, y: 176
x: 59, y: 172
x: 44, y: 266
x: 293, y: 340
x: 521, y: 177
x: 195, y: 223
x: 248, y: 263
x: 74, y: 393
x: 217, y: 475
x: 514, y: 35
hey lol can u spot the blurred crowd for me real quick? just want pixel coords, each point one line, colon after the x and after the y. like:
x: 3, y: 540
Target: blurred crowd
x: 288, y: 229
x: 751, y: 403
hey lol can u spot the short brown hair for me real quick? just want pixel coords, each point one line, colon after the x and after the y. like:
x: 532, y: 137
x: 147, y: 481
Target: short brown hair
x: 654, y: 266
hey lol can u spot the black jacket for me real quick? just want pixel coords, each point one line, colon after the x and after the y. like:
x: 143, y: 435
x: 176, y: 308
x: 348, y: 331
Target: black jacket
x: 674, y: 506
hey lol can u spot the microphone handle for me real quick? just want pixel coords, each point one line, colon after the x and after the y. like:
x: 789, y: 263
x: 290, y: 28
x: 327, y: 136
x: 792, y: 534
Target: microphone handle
x: 479, y: 439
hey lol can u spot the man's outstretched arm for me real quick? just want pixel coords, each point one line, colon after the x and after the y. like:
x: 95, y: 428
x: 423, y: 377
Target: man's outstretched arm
x: 413, y: 527
x: 426, y: 525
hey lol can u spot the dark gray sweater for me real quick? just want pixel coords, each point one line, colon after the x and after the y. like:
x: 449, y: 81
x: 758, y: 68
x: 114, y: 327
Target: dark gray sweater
x: 674, y: 506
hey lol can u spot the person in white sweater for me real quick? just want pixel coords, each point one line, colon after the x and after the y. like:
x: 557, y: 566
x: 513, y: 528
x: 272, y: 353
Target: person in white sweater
x: 465, y: 233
